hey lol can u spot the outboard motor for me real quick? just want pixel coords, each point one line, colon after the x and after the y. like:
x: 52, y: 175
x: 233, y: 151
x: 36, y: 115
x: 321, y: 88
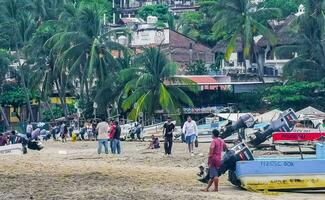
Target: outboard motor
x: 237, y: 153
x: 285, y: 123
x: 244, y: 121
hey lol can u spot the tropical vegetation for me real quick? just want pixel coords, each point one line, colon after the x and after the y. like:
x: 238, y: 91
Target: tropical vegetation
x: 63, y: 48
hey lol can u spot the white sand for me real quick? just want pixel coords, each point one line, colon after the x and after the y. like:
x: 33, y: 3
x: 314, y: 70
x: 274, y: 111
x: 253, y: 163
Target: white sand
x: 76, y: 171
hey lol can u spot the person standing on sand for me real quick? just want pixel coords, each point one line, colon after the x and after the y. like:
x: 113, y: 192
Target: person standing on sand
x: 111, y: 134
x: 102, y: 129
x: 214, y: 160
x: 168, y: 135
x: 29, y: 130
x: 116, y: 140
x: 190, y: 131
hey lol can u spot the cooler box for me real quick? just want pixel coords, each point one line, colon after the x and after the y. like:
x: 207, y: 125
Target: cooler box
x: 320, y: 150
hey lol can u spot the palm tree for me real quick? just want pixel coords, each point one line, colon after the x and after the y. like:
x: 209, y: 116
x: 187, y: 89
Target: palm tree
x: 150, y: 85
x: 5, y: 61
x: 19, y: 24
x: 240, y: 19
x: 309, y: 45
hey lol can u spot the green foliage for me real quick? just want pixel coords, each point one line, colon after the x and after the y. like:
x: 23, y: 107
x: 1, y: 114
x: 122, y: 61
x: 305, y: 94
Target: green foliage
x: 308, y: 34
x: 147, y: 86
x: 197, y: 68
x: 295, y: 95
x: 12, y: 95
x: 197, y: 25
x: 252, y: 101
x: 160, y: 11
x: 5, y: 60
x: 57, y: 112
x: 286, y: 6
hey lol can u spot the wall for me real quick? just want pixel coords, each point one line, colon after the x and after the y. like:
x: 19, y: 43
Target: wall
x: 185, y: 50
x: 149, y: 37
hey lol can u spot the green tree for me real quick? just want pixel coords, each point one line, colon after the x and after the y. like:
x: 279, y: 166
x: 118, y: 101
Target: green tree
x: 18, y: 24
x: 83, y: 51
x: 197, y: 68
x: 286, y: 6
x: 13, y: 95
x: 309, y: 45
x: 197, y: 25
x: 160, y: 11
x: 148, y: 88
x: 5, y: 60
x: 296, y: 95
x: 240, y: 19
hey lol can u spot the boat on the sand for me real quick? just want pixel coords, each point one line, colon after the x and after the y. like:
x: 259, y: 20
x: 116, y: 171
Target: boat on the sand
x: 281, y: 174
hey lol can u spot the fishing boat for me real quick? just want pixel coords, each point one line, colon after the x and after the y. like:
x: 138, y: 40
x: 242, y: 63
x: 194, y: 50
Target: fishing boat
x: 281, y: 174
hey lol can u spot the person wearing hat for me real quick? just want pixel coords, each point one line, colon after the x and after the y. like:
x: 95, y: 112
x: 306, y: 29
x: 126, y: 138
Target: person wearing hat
x: 168, y: 130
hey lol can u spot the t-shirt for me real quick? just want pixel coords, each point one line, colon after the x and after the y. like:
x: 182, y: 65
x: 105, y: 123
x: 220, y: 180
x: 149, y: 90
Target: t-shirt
x: 218, y: 145
x: 112, y: 131
x: 3, y: 140
x: 102, y: 128
x: 169, y: 127
x: 190, y: 128
x: 29, y: 128
x: 117, y: 134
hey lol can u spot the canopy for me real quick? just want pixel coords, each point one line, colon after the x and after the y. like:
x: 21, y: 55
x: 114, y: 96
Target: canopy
x: 310, y: 111
x: 269, y: 116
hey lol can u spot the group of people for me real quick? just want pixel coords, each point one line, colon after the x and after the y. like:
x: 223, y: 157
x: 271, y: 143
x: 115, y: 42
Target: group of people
x: 190, y: 134
x: 109, y: 132
x: 6, y: 139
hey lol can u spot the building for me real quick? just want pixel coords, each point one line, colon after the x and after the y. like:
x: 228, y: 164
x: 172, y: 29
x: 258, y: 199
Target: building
x: 272, y: 65
x: 130, y: 8
x: 178, y: 47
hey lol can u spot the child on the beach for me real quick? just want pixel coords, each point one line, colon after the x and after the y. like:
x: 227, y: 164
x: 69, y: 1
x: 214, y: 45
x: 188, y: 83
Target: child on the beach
x: 154, y: 144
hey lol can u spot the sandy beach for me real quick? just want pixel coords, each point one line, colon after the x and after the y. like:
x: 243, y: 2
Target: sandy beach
x: 75, y: 171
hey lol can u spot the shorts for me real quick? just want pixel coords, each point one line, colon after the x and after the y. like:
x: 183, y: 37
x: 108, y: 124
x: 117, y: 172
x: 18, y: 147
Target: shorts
x: 213, y: 172
x: 190, y: 139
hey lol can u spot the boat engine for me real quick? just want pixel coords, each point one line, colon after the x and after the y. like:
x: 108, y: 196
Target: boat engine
x: 284, y: 123
x: 244, y: 121
x: 237, y: 153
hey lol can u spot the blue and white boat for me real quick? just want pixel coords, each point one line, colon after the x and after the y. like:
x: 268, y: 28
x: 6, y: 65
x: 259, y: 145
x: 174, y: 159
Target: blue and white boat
x: 281, y: 174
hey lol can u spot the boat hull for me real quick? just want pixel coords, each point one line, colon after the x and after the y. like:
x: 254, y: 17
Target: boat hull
x: 289, y: 174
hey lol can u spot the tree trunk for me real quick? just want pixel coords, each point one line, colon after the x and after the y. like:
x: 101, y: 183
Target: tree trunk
x: 50, y: 109
x: 4, y: 115
x: 61, y: 93
x: 87, y: 90
x: 24, y: 85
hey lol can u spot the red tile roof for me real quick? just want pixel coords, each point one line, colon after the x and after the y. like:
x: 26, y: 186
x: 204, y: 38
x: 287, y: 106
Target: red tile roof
x: 202, y: 79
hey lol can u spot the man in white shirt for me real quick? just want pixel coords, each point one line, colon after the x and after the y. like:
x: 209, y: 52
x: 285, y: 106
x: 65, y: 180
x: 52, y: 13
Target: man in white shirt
x: 29, y: 130
x: 190, y: 131
x: 102, y: 137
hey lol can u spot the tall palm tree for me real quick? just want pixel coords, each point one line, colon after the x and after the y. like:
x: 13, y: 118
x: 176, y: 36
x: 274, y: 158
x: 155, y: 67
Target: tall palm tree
x: 19, y: 24
x: 309, y: 44
x: 5, y: 61
x: 240, y: 19
x: 85, y: 51
x: 150, y: 85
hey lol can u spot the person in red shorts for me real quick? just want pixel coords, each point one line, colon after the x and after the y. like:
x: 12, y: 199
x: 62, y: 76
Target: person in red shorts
x: 214, y: 162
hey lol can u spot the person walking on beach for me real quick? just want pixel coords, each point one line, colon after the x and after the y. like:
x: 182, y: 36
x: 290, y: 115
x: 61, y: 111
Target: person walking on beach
x: 190, y: 131
x: 29, y: 130
x: 116, y: 139
x: 168, y: 135
x: 64, y: 132
x: 214, y: 161
x: 102, y: 129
